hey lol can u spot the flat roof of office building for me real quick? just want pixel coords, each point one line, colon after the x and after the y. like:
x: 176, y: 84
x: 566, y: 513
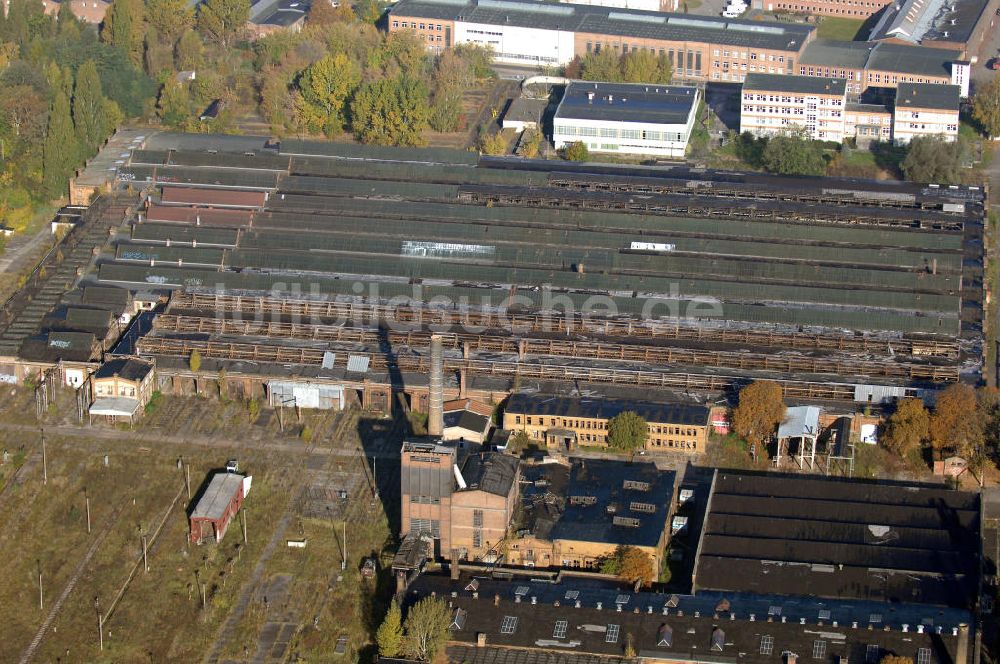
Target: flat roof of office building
x: 624, y: 102
x: 928, y: 95
x: 811, y: 85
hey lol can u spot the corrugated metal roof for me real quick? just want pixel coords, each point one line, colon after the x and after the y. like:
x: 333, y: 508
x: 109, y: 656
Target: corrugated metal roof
x: 221, y: 491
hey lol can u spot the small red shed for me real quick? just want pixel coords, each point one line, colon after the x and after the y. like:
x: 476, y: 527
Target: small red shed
x: 217, y: 506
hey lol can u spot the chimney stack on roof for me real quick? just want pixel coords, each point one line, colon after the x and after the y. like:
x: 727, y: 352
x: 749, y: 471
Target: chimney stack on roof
x: 435, y: 415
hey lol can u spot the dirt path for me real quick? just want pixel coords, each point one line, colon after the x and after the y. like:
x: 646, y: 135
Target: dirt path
x: 141, y: 438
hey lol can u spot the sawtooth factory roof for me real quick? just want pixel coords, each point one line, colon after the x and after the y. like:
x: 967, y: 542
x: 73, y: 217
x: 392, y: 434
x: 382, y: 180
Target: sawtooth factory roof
x: 840, y: 539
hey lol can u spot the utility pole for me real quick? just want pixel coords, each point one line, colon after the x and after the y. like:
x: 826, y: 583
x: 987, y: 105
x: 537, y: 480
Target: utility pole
x: 343, y: 559
x: 244, y: 511
x: 145, y: 563
x: 86, y: 497
x: 187, y: 479
x: 41, y: 599
x: 100, y: 622
x: 45, y: 464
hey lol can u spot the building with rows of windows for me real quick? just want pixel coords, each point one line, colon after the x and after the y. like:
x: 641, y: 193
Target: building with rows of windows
x: 564, y: 423
x: 627, y: 118
x: 775, y: 104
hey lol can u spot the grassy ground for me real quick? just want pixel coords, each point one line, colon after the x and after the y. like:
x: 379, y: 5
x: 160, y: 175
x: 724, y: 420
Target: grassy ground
x: 841, y: 29
x: 160, y: 617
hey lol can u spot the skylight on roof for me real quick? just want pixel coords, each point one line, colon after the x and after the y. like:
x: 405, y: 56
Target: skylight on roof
x: 824, y: 614
x: 611, y: 636
x: 572, y: 594
x: 521, y: 591
x: 533, y: 7
x: 508, y: 625
x: 622, y: 599
x: 559, y: 631
x: 695, y: 23
x: 763, y: 29
x: 638, y: 18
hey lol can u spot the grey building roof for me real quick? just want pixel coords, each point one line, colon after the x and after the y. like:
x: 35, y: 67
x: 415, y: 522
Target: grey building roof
x: 653, y: 413
x: 843, y: 539
x: 800, y: 421
x: 623, y: 102
x: 866, y: 108
x: 928, y: 95
x: 600, y: 617
x: 467, y: 420
x: 920, y: 21
x: 613, y: 22
x: 880, y: 56
x: 795, y: 84
x: 128, y: 368
x: 492, y: 472
x: 220, y: 492
x: 592, y: 501
x: 828, y: 53
x: 915, y: 60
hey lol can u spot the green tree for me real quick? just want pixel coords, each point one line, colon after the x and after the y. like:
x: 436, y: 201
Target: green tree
x: 576, y: 152
x: 60, y: 152
x: 253, y: 410
x: 170, y: 18
x: 389, y: 636
x: 426, y: 629
x: 479, y: 59
x: 493, y: 144
x: 88, y: 108
x: 627, y: 432
x: 123, y: 28
x: 325, y: 88
x: 907, y: 428
x: 645, y: 67
x: 189, y: 52
x: 390, y: 111
x: 794, y: 154
x: 986, y: 106
x: 932, y: 159
x: 759, y: 412
x: 452, y: 76
x: 194, y: 360
x: 604, y: 65
x: 221, y: 21
x: 174, y: 103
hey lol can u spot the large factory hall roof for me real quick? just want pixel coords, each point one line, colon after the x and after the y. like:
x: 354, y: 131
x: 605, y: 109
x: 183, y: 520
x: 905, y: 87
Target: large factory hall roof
x: 844, y: 539
x: 610, y: 21
x: 654, y: 242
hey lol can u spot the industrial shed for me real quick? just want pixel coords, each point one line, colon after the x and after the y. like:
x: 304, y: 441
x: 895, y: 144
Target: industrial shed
x: 218, y: 504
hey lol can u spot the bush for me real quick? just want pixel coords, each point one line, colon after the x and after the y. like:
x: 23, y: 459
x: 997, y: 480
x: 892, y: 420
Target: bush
x: 576, y: 152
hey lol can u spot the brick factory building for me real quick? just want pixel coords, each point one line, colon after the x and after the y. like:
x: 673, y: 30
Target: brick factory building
x: 563, y: 423
x: 218, y: 505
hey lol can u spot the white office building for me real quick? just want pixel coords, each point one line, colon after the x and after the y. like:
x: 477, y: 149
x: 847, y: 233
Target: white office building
x: 925, y: 109
x: 775, y: 104
x: 639, y: 119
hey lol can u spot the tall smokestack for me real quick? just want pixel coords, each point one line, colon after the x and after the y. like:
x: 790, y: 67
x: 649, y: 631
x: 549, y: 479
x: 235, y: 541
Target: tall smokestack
x: 435, y: 414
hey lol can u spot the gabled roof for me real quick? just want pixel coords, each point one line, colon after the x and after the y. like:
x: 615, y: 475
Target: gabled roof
x: 602, y: 408
x: 611, y: 21
x: 492, y: 472
x: 128, y: 368
x: 220, y: 492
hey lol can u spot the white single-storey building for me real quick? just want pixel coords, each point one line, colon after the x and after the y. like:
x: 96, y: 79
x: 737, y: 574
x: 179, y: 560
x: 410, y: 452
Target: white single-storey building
x: 627, y: 118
